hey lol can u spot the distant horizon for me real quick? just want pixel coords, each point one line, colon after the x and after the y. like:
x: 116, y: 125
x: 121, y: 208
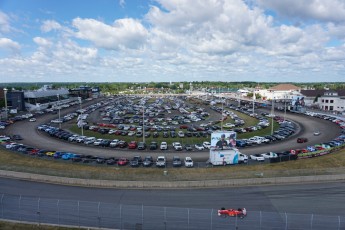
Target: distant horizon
x: 172, y: 40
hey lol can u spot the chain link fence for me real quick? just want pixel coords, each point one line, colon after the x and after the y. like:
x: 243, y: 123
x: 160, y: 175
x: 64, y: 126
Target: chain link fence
x: 116, y: 216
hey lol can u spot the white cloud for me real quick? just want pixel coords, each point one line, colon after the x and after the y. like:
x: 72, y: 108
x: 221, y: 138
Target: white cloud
x: 8, y: 44
x: 323, y: 10
x: 184, y: 40
x: 4, y: 23
x: 122, y: 3
x: 42, y: 42
x: 50, y: 25
x: 124, y: 33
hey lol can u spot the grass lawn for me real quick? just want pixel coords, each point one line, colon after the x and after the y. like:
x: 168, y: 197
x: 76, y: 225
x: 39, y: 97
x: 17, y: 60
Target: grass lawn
x: 19, y: 226
x: 330, y: 164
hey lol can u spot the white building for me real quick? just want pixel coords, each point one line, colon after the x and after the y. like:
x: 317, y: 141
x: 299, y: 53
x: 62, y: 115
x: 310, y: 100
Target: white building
x: 331, y: 101
x: 280, y: 92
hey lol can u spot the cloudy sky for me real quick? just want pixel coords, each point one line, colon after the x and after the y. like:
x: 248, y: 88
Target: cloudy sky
x: 172, y: 40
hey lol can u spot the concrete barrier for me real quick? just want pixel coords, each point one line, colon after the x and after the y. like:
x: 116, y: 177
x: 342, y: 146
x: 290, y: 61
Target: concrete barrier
x: 170, y: 184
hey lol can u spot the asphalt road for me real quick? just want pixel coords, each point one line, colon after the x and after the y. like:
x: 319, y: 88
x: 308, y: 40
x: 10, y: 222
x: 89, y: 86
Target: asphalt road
x: 323, y: 199
x: 307, y: 125
x: 303, y: 206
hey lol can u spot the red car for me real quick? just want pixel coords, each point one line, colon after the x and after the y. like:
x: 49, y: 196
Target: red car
x: 132, y: 145
x: 241, y: 212
x: 122, y: 161
x: 302, y: 140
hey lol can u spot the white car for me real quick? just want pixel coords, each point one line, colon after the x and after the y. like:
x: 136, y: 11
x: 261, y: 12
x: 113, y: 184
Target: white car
x: 317, y: 133
x: 242, y: 158
x: 206, y: 144
x: 160, y: 162
x: 97, y: 142
x: 114, y: 143
x: 199, y: 146
x: 180, y: 133
x: 255, y: 140
x: 131, y: 133
x: 228, y: 125
x: 257, y: 157
x: 32, y: 119
x: 177, y: 146
x: 269, y: 155
x: 188, y: 162
x: 164, y: 146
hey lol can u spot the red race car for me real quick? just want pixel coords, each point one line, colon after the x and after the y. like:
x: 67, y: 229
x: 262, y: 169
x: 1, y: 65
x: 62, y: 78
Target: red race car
x: 241, y: 212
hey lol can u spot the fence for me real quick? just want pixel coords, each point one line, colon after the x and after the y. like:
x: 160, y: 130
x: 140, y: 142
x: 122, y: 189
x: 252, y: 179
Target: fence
x: 117, y: 216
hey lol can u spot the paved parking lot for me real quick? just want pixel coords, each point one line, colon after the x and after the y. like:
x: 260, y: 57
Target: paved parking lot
x: 307, y: 125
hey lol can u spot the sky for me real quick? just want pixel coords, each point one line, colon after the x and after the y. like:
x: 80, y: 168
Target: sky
x: 172, y: 40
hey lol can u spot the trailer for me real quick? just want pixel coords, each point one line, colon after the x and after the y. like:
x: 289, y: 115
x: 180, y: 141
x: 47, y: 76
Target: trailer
x: 226, y: 157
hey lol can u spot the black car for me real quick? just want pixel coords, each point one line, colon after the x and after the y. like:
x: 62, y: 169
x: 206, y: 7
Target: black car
x: 148, y: 161
x: 177, y: 161
x: 111, y: 161
x: 136, y: 161
x: 105, y: 143
x: 153, y: 145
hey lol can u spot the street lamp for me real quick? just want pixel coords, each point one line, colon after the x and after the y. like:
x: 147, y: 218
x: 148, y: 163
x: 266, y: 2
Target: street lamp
x: 272, y: 112
x: 5, y: 95
x: 285, y: 97
x: 81, y: 117
x: 221, y: 127
x: 58, y: 96
x: 143, y: 124
x: 253, y: 102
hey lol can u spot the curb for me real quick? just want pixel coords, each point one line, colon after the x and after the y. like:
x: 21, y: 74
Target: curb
x: 170, y: 184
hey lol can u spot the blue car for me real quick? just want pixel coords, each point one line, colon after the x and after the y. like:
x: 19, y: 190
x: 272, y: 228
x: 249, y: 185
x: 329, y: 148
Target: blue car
x: 311, y: 148
x: 241, y: 143
x: 58, y: 154
x: 68, y: 156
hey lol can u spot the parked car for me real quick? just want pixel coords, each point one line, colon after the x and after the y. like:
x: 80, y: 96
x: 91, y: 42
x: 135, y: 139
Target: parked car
x: 148, y: 161
x: 257, y: 157
x: 161, y: 161
x: 177, y: 161
x: 132, y: 145
x: 177, y: 146
x: 153, y: 145
x: 164, y: 146
x: 269, y: 155
x: 206, y: 144
x: 188, y: 147
x: 122, y: 161
x: 141, y: 145
x: 136, y: 161
x: 188, y: 162
x: 199, y: 146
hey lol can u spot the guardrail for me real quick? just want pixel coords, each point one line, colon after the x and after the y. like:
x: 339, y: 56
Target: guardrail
x: 86, y: 214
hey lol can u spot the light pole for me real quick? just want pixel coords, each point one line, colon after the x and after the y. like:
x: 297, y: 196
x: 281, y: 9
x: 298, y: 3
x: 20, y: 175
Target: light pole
x: 285, y: 106
x: 253, y: 102
x: 221, y: 126
x: 81, y: 117
x: 143, y: 124
x: 272, y: 112
x: 5, y: 95
x: 58, y: 96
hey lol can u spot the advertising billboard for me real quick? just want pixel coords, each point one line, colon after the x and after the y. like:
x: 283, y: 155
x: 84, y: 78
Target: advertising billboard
x: 297, y: 103
x: 223, y: 140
